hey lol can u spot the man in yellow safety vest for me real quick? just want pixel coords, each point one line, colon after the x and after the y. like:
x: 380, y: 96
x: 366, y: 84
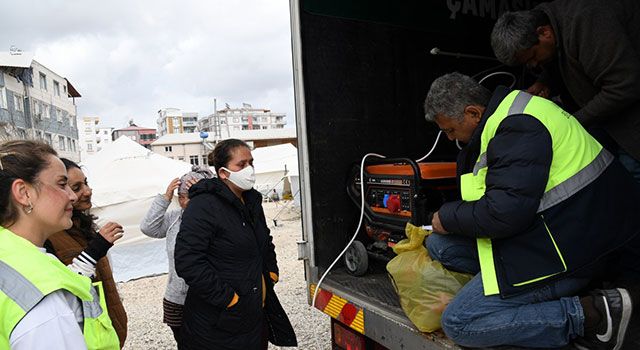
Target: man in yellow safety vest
x: 545, y: 210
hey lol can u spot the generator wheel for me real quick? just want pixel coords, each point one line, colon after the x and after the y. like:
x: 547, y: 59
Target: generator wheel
x: 356, y: 259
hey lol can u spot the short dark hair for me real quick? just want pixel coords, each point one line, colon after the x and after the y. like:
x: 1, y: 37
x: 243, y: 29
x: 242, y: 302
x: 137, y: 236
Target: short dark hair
x: 20, y: 159
x: 514, y: 32
x: 223, y: 152
x: 69, y: 164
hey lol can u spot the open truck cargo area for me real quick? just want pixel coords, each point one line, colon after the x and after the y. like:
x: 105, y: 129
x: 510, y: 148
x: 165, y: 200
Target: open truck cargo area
x: 361, y: 72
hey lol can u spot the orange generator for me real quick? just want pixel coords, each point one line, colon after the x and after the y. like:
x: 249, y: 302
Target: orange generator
x: 396, y: 191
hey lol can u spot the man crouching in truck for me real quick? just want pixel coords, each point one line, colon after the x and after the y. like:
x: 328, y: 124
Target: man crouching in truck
x: 546, y: 210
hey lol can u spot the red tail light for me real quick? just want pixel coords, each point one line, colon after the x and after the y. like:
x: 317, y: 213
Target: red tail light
x: 345, y: 338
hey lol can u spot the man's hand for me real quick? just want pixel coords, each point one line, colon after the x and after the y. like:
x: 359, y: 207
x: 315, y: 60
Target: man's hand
x: 437, y: 225
x: 112, y: 232
x: 539, y: 89
x: 168, y: 195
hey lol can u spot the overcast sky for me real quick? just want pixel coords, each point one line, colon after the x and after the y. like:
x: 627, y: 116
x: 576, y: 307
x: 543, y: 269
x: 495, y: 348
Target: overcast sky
x: 128, y: 59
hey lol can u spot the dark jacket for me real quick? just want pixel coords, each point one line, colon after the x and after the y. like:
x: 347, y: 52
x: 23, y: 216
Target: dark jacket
x: 587, y: 226
x: 598, y: 43
x: 225, y: 247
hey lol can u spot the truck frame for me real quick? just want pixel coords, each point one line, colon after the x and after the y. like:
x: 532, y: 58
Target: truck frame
x: 361, y: 72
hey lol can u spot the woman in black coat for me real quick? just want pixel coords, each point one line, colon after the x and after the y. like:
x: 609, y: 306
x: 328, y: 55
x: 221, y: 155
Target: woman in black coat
x: 224, y: 252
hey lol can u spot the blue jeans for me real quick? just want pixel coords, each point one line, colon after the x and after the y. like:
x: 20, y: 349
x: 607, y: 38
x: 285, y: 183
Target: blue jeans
x: 547, y: 317
x: 632, y: 165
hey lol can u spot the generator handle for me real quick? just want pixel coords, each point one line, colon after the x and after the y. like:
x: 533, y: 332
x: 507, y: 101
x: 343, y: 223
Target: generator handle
x: 417, y: 176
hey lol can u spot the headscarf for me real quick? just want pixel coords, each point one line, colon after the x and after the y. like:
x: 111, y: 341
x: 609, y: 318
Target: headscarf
x: 197, y: 172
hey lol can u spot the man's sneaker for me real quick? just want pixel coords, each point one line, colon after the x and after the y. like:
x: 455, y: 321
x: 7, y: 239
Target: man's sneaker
x: 615, y: 309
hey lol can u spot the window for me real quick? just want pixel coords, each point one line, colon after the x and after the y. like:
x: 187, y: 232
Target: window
x: 64, y: 88
x: 61, y: 143
x: 37, y: 108
x: 43, y: 82
x: 264, y: 127
x: 194, y: 160
x: 73, y: 145
x: 45, y: 111
x: 181, y: 158
x: 56, y: 88
x: 256, y: 127
x: 89, y: 147
x: 168, y: 149
x: 38, y: 135
x: 69, y: 144
x: 17, y: 103
x: 3, y: 97
x: 48, y: 139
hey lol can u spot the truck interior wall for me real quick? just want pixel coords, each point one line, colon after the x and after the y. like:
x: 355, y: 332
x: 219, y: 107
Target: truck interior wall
x: 365, y: 82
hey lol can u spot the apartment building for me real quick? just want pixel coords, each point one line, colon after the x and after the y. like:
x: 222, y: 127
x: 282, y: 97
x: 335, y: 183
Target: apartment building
x: 93, y: 136
x: 37, y: 103
x: 143, y: 136
x: 244, y: 118
x: 174, y: 121
x: 193, y: 148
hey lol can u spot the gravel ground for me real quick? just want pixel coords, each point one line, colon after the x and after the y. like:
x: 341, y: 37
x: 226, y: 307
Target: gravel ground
x: 143, y: 297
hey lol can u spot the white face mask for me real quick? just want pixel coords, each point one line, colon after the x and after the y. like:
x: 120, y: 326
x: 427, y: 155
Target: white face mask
x: 245, y: 178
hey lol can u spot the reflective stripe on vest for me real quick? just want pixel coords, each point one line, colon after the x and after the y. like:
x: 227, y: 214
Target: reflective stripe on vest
x: 27, y: 276
x: 578, y: 160
x: 18, y: 289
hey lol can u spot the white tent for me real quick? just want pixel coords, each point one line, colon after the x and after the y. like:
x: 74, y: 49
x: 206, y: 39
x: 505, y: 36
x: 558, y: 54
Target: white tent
x: 273, y: 166
x: 125, y: 178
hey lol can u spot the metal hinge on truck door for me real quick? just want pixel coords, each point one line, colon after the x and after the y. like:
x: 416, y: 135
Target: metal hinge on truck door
x: 303, y: 250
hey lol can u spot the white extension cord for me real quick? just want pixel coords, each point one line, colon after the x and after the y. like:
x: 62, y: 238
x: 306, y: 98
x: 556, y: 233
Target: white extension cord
x: 315, y: 293
x: 355, y: 234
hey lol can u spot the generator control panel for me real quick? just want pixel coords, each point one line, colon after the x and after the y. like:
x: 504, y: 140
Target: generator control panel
x: 391, y: 190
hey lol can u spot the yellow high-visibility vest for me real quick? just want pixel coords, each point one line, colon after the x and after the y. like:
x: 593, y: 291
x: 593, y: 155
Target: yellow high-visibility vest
x: 27, y: 276
x: 578, y: 159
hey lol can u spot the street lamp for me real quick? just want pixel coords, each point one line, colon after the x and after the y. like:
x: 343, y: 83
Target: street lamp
x: 204, y: 136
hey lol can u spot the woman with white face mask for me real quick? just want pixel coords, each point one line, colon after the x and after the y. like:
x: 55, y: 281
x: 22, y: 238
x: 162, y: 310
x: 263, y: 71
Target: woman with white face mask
x: 225, y: 254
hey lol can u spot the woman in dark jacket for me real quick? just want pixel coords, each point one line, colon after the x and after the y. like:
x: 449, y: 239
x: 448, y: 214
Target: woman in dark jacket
x: 224, y: 252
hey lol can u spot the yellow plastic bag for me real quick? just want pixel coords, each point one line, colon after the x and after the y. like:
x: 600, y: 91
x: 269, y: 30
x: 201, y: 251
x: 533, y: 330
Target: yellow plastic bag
x: 424, y: 286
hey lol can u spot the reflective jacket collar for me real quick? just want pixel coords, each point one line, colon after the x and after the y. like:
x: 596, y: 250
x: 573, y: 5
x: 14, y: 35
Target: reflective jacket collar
x: 469, y: 154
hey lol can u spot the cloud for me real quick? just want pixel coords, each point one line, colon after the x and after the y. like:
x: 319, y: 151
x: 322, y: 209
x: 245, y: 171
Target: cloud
x: 129, y: 59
